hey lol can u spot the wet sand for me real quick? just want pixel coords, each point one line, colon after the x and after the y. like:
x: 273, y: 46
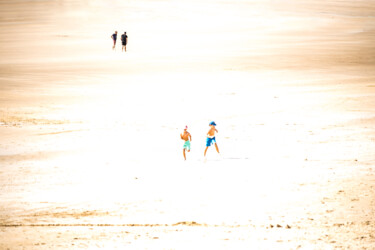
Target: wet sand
x: 90, y: 155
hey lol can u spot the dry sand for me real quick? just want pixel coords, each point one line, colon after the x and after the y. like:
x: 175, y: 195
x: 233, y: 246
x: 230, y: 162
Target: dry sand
x: 90, y: 155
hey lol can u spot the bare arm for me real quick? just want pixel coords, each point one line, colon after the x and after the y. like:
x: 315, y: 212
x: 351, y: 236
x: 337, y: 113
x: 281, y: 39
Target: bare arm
x: 190, y: 136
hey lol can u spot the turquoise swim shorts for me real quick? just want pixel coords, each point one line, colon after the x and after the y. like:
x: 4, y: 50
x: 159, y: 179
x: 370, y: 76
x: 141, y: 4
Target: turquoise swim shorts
x: 187, y: 145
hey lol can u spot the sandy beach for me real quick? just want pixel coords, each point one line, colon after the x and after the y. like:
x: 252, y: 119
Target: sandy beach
x: 90, y: 148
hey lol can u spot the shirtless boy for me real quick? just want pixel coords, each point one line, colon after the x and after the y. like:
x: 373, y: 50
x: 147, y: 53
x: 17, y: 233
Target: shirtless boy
x: 186, y: 136
x: 211, y: 138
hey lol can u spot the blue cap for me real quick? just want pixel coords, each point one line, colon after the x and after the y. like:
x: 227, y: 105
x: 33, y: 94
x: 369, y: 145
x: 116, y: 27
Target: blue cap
x: 213, y: 123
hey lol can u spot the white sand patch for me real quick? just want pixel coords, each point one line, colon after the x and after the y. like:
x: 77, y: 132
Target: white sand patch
x: 90, y: 152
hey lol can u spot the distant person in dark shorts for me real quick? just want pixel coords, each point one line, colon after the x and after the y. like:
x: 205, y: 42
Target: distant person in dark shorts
x: 124, y: 41
x: 114, y: 38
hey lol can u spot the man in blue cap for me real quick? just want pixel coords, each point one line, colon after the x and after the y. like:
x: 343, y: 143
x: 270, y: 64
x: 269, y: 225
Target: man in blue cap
x: 211, y: 137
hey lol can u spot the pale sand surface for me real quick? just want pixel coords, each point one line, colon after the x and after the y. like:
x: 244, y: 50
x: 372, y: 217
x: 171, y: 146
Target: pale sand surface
x: 90, y: 155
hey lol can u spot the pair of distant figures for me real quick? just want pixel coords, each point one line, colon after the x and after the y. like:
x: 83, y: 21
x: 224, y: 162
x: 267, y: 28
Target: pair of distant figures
x: 186, y: 136
x: 124, y: 40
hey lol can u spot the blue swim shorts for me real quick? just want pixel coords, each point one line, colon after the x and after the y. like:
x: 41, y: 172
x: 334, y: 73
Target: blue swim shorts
x: 209, y: 141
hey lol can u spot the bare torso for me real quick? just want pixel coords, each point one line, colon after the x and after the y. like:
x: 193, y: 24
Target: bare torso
x: 211, y: 132
x: 185, y: 136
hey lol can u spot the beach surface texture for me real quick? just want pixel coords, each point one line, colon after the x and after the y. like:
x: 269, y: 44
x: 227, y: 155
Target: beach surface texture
x: 90, y: 148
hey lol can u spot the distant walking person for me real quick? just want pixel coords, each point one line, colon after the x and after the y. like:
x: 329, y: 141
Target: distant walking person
x: 124, y: 41
x: 186, y: 136
x: 114, y: 38
x: 211, y: 138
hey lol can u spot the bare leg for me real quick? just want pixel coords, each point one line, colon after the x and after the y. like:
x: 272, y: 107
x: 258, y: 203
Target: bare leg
x: 125, y: 48
x: 183, y: 151
x: 217, y: 148
x: 205, y: 151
